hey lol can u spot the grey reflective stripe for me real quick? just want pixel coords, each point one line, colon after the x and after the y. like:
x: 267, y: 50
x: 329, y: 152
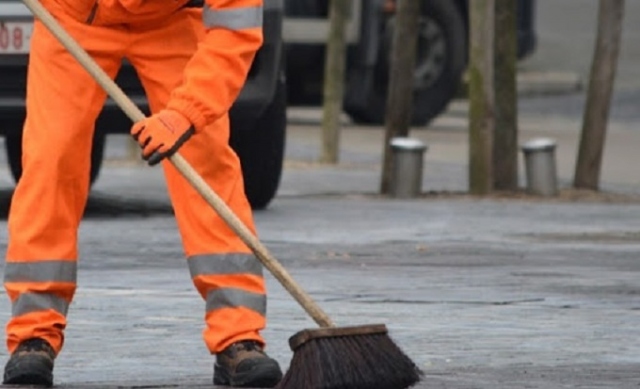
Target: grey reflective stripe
x: 233, y: 19
x: 214, y: 264
x: 42, y: 271
x: 233, y: 298
x: 34, y: 302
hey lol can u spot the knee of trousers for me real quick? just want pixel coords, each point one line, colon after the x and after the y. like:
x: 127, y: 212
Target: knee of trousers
x: 56, y: 160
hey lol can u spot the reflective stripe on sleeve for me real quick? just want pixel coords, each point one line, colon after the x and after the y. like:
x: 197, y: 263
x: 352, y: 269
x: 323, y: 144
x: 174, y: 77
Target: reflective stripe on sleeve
x: 34, y: 302
x: 233, y: 19
x: 221, y: 264
x: 42, y: 271
x: 235, y: 298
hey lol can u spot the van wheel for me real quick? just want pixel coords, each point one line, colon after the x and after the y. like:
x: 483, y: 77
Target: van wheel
x: 440, y: 62
x: 260, y: 148
x: 13, y: 146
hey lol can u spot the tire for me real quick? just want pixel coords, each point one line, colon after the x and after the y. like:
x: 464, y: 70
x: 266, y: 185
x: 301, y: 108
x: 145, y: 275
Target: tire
x: 260, y: 147
x: 441, y: 60
x: 13, y: 146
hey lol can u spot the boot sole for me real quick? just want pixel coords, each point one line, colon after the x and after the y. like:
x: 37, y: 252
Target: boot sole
x: 265, y: 376
x: 29, y: 371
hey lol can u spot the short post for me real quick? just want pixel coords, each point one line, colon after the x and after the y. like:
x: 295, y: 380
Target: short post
x: 406, y: 180
x: 540, y: 164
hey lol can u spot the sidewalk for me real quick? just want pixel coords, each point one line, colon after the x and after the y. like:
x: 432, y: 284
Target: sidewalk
x: 446, y: 160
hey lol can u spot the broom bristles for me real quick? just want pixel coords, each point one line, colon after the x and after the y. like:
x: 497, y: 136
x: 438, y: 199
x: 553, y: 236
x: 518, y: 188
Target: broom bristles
x: 350, y: 362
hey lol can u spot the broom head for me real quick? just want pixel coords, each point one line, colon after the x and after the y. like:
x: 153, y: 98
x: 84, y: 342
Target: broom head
x: 359, y: 357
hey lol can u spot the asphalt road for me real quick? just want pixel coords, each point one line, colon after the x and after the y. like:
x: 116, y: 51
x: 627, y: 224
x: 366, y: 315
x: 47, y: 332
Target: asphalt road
x: 566, y: 31
x: 566, y: 39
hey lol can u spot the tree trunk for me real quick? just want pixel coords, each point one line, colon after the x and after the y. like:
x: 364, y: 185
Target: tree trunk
x: 334, y: 79
x: 400, y: 95
x: 596, y: 114
x: 481, y: 96
x: 505, y: 145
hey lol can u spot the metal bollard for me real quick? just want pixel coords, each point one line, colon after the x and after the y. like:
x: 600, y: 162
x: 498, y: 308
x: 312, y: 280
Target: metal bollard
x: 406, y: 181
x: 540, y: 164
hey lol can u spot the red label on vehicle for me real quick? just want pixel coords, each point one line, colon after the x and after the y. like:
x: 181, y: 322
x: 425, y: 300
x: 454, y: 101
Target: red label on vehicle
x: 14, y: 37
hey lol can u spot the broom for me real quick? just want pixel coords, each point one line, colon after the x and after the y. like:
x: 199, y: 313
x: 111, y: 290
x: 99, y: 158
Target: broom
x: 357, y: 357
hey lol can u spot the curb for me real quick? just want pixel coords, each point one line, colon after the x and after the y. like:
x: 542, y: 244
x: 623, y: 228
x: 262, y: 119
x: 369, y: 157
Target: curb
x: 529, y: 84
x: 538, y: 83
x: 548, y: 83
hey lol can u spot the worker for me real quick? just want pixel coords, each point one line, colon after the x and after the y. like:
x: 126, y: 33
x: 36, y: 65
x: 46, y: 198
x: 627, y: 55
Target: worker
x: 192, y: 60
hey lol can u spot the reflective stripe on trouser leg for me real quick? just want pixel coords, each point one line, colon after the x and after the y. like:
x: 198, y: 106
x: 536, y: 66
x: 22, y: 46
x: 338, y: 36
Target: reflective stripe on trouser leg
x: 40, y: 294
x: 161, y: 56
x: 234, y: 290
x: 47, y: 205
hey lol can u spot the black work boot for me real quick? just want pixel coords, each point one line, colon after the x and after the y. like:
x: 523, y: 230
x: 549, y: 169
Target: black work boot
x: 30, y: 364
x: 245, y: 365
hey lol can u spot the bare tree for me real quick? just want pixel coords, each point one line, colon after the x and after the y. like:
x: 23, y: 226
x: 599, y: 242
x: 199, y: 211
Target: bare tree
x: 334, y: 78
x: 481, y: 96
x: 505, y: 145
x: 400, y: 97
x: 596, y: 113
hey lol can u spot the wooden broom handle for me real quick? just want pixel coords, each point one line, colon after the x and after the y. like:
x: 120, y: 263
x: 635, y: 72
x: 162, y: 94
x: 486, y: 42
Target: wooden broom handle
x: 135, y: 114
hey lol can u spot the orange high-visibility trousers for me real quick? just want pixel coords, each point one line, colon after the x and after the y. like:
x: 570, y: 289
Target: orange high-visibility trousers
x: 62, y: 104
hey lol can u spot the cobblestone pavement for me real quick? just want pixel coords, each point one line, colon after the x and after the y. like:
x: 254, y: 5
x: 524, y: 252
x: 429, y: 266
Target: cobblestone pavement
x: 481, y: 294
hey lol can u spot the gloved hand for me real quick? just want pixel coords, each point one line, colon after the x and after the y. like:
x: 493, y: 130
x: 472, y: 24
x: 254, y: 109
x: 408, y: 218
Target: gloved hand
x: 162, y: 134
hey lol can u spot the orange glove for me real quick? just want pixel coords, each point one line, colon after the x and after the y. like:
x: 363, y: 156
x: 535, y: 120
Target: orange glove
x: 162, y: 134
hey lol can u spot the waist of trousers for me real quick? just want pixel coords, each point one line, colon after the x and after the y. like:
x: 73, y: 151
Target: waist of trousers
x: 99, y: 14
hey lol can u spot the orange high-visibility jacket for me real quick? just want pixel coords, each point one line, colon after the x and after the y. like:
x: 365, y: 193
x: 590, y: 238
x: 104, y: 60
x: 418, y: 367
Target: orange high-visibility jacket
x: 218, y: 70
x: 221, y: 64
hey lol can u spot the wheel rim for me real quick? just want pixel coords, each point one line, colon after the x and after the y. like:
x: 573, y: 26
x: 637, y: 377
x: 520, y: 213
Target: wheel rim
x: 431, y: 55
